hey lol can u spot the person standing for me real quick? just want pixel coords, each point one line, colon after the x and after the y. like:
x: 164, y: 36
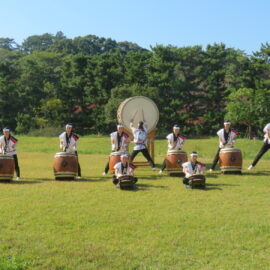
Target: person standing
x: 119, y: 141
x: 265, y: 146
x: 175, y: 142
x: 68, y: 143
x: 8, y: 147
x: 140, y: 140
x: 227, y: 138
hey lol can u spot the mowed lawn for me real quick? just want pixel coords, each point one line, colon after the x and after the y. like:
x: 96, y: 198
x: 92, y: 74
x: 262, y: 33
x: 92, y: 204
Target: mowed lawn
x: 89, y: 224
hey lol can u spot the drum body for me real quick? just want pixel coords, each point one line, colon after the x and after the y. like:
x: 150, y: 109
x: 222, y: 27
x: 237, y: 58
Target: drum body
x: 174, y: 160
x: 197, y: 180
x: 65, y: 166
x: 230, y: 160
x: 126, y: 181
x: 6, y: 167
x: 113, y: 159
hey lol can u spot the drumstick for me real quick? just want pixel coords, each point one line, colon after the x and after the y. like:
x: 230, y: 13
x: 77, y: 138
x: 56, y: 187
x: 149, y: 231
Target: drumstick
x: 134, y: 114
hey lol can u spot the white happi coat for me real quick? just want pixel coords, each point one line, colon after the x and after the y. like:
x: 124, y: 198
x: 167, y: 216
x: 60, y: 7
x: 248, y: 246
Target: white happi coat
x: 140, y: 138
x: 266, y: 130
x: 72, y: 147
x: 231, y: 139
x: 175, y: 145
x: 130, y: 169
x: 123, y: 141
x: 199, y: 169
x: 11, y: 146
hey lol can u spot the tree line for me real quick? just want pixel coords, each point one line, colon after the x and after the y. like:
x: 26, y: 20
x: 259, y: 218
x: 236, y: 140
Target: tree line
x: 49, y: 80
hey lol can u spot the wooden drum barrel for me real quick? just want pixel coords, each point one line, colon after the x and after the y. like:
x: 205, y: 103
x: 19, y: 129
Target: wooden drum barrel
x: 113, y: 159
x: 126, y: 181
x: 6, y: 167
x: 65, y: 166
x: 230, y: 160
x: 174, y: 160
x: 197, y: 180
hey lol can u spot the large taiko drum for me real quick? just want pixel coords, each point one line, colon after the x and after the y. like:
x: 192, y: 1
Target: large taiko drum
x: 6, y: 167
x: 197, y: 180
x: 65, y: 166
x: 174, y: 160
x: 113, y: 159
x: 126, y: 181
x: 230, y: 160
x: 139, y: 108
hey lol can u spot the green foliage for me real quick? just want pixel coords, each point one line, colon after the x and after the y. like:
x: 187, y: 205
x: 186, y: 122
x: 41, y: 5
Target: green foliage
x: 51, y: 80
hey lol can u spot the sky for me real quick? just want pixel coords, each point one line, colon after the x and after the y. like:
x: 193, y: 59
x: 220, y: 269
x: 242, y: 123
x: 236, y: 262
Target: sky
x: 241, y: 24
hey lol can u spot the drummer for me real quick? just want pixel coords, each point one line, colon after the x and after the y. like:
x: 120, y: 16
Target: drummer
x: 227, y: 138
x: 264, y: 148
x: 140, y: 140
x: 124, y: 167
x: 175, y: 142
x: 119, y: 141
x: 192, y: 167
x: 68, y: 143
x: 8, y: 147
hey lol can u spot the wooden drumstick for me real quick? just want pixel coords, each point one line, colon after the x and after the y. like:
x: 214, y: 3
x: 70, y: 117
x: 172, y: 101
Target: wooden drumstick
x: 133, y: 116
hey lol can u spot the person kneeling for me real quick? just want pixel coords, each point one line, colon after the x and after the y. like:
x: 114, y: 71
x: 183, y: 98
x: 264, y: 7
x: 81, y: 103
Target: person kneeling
x: 194, y: 172
x: 124, y: 173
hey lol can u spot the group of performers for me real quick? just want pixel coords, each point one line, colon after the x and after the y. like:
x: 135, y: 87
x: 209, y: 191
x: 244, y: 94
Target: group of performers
x: 120, y: 141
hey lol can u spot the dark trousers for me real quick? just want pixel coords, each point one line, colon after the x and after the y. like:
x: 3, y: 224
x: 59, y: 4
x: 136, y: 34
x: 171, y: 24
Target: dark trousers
x: 106, y: 168
x: 16, y: 163
x: 264, y: 149
x: 185, y: 181
x: 145, y: 154
x: 163, y: 165
x: 216, y: 159
x: 79, y: 167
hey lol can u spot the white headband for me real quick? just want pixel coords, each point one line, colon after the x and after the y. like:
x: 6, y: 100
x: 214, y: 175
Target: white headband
x: 68, y: 126
x: 193, y: 154
x: 120, y: 125
x: 6, y: 129
x: 227, y: 122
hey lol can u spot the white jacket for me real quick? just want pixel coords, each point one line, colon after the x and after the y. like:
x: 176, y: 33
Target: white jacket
x: 10, y: 148
x: 175, y: 145
x: 187, y: 166
x: 123, y: 141
x: 72, y: 147
x: 266, y: 130
x: 231, y: 139
x: 118, y: 166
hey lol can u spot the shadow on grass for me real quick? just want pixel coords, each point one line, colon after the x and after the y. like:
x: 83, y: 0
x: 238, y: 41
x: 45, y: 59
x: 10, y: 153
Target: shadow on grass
x: 142, y: 187
x: 20, y: 182
x: 261, y: 173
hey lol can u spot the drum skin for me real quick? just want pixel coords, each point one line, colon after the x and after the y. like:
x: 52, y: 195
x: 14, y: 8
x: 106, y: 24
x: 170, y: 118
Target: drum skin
x: 230, y: 160
x: 113, y: 159
x: 65, y: 166
x: 6, y: 167
x: 197, y: 180
x: 138, y: 108
x: 174, y: 159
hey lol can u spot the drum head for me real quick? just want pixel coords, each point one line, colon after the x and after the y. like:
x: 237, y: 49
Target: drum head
x: 229, y: 150
x: 175, y: 152
x: 137, y: 107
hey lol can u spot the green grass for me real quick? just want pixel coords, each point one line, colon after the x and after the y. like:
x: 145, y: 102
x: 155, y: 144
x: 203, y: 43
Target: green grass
x: 89, y: 224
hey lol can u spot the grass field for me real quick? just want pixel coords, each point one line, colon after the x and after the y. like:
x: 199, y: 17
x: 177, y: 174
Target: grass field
x: 89, y: 224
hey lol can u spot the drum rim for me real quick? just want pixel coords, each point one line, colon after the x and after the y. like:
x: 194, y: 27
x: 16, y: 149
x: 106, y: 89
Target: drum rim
x: 230, y: 150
